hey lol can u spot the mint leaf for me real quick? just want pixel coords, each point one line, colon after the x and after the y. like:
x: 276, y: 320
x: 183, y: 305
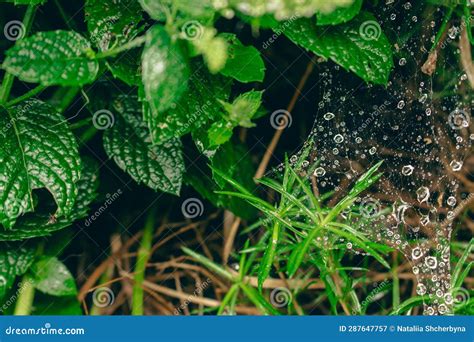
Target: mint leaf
x: 128, y: 142
x: 126, y: 67
x: 219, y: 133
x: 244, y: 107
x: 15, y: 260
x: 43, y: 224
x: 52, y: 277
x: 244, y: 63
x: 112, y: 22
x: 339, y: 15
x: 213, y: 48
x: 165, y: 70
x: 283, y: 9
x: 52, y: 58
x: 27, y: 2
x: 159, y: 9
x: 239, y: 113
x: 367, y: 56
x: 38, y: 151
x: 197, y: 106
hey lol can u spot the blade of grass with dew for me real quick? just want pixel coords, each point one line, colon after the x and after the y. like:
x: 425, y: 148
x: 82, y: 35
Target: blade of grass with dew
x: 233, y: 291
x: 408, y: 304
x: 456, y: 278
x: 258, y: 300
x: 211, y: 265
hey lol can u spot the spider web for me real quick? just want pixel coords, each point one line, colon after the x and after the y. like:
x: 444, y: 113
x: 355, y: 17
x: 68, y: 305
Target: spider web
x: 423, y: 138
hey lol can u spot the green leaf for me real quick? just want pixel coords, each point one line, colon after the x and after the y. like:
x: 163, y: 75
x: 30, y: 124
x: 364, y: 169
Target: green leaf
x: 43, y: 223
x: 159, y: 167
x: 112, y: 22
x: 244, y: 63
x: 157, y: 9
x: 197, y: 106
x: 217, y: 269
x: 258, y: 300
x: 126, y: 67
x: 52, y: 58
x: 219, y: 133
x: 285, y: 9
x: 165, y: 70
x: 359, y: 46
x: 37, y: 151
x: 27, y: 2
x: 457, y: 278
x: 410, y: 303
x: 339, y: 15
x: 15, y: 260
x: 160, y: 9
x: 213, y: 49
x: 239, y: 113
x: 244, y: 107
x: 52, y: 277
x: 268, y: 256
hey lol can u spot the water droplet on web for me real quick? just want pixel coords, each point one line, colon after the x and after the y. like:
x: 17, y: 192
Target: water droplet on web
x: 456, y: 165
x: 402, y: 61
x: 431, y: 262
x: 401, y: 104
x: 338, y: 138
x: 328, y: 116
x: 442, y: 309
x: 416, y: 253
x: 423, y: 194
x: 451, y: 201
x: 319, y: 172
x: 407, y: 170
x: 420, y: 289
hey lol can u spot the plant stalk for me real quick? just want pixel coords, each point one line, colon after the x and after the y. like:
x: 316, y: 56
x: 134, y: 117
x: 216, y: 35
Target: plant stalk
x: 8, y: 78
x: 142, y: 259
x: 26, y: 296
